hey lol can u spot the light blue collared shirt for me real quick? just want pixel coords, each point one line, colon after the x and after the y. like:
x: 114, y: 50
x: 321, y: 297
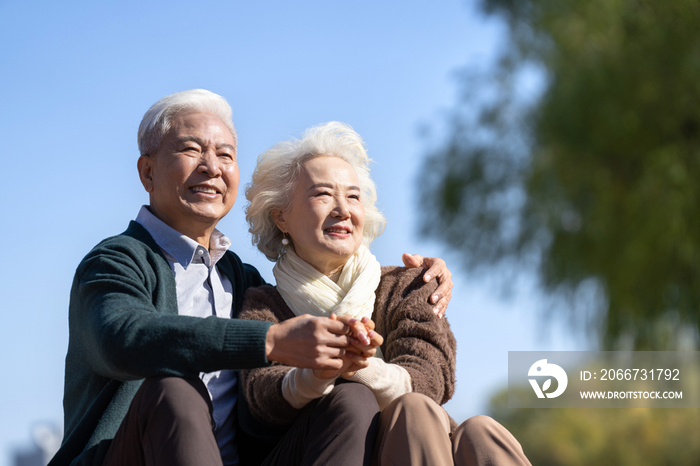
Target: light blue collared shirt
x: 202, y: 292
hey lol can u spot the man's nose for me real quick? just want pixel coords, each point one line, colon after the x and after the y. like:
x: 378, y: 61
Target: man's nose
x: 210, y: 164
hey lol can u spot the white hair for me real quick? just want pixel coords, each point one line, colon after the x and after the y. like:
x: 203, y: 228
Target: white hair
x: 157, y: 120
x: 277, y: 174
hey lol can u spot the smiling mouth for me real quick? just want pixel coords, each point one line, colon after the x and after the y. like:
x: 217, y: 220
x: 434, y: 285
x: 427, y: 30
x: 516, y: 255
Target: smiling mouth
x: 205, y: 190
x: 337, y: 231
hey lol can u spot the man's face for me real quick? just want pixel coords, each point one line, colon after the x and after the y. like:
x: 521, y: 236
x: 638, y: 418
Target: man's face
x: 193, y: 177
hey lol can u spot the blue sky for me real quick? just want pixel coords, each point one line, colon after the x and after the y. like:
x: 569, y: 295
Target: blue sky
x: 77, y: 78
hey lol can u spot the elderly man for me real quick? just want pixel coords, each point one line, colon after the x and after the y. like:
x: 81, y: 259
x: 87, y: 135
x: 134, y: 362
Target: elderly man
x: 154, y: 343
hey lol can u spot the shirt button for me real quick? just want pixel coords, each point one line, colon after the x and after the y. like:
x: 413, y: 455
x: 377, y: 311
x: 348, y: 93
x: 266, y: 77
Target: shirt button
x: 200, y: 252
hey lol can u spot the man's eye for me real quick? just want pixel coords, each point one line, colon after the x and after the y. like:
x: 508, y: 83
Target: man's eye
x: 355, y: 196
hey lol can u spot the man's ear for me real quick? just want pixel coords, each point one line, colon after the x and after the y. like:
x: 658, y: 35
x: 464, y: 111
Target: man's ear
x: 145, y: 168
x: 278, y: 217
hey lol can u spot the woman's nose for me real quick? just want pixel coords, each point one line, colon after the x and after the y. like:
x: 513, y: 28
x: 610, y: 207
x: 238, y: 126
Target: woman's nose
x: 341, y: 209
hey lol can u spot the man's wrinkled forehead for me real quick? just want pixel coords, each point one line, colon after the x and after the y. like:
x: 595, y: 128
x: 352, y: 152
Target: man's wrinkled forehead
x: 203, y: 143
x: 187, y: 130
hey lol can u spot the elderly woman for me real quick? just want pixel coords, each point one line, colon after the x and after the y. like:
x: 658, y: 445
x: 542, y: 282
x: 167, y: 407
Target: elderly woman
x: 312, y: 211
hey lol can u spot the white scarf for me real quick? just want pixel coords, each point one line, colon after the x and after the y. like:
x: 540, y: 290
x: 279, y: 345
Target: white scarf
x: 308, y: 291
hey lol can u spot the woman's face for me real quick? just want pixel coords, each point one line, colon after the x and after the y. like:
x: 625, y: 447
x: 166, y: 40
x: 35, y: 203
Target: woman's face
x: 326, y: 217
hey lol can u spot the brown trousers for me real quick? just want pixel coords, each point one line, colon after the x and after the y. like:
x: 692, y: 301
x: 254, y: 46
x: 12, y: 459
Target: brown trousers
x: 337, y: 429
x: 169, y: 423
x: 414, y: 430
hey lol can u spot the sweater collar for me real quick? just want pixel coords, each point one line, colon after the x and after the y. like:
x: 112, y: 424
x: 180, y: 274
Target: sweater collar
x: 179, y: 247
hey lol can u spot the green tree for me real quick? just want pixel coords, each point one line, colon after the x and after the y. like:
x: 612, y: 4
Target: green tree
x: 603, y: 437
x: 595, y: 181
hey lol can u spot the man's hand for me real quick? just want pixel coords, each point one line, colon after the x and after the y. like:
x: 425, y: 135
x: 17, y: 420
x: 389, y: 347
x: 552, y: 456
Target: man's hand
x: 436, y: 268
x: 306, y: 341
x: 358, y: 350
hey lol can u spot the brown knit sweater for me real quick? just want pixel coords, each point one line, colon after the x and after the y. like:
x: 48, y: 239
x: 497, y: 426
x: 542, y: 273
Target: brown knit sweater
x: 414, y: 338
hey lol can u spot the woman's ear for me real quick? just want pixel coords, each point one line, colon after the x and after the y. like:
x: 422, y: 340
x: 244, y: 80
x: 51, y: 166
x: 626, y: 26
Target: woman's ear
x: 278, y: 217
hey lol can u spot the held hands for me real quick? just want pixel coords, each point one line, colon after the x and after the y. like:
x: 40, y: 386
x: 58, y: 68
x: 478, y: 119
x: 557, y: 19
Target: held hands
x: 363, y: 343
x: 364, y: 340
x: 436, y: 268
x: 307, y: 341
x: 331, y: 344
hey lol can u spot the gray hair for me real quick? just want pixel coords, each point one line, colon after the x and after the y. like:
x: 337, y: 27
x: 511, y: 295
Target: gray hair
x: 157, y: 120
x: 277, y: 174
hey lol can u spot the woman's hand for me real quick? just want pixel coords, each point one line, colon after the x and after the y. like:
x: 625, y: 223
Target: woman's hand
x: 351, y: 362
x: 363, y: 343
x: 364, y: 340
x: 375, y: 339
x: 436, y: 268
x: 355, y: 366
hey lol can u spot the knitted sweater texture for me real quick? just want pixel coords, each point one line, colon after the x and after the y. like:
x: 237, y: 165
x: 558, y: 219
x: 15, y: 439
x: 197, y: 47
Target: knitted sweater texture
x: 124, y: 326
x: 414, y: 338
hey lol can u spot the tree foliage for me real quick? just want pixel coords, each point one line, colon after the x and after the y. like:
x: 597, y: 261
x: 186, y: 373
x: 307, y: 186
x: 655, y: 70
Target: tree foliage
x: 595, y: 179
x: 603, y: 437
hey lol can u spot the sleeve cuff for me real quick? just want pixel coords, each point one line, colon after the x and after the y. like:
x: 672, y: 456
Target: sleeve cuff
x: 244, y: 343
x: 301, y: 386
x: 387, y: 381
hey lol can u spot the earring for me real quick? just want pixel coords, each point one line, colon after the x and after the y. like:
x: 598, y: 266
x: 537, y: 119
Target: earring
x: 285, y: 241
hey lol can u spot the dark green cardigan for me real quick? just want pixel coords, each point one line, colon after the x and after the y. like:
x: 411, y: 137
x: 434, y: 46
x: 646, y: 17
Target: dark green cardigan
x: 124, y: 326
